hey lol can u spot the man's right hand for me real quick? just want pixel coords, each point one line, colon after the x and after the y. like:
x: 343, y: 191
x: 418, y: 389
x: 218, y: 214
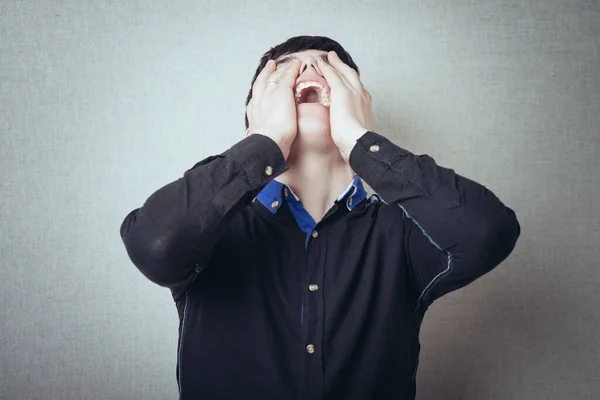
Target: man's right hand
x: 272, y: 108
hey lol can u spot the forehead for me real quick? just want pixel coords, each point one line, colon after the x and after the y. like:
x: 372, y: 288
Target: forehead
x: 304, y: 53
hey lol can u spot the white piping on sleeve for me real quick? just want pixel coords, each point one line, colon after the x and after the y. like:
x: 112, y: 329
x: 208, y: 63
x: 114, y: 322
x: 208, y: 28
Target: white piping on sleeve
x: 185, y: 311
x: 439, y: 276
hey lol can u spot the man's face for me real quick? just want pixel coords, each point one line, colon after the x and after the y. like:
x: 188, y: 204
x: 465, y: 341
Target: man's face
x: 312, y: 106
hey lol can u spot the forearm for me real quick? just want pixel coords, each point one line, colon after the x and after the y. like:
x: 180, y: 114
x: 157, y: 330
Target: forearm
x: 172, y: 235
x: 461, y: 217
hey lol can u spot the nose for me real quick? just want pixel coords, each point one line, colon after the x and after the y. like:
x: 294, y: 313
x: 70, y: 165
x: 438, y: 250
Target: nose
x: 309, y: 63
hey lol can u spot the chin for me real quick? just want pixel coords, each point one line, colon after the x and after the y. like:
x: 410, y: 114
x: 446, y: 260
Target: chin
x: 313, y: 119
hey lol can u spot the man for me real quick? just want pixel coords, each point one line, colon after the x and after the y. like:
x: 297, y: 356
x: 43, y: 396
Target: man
x: 289, y: 282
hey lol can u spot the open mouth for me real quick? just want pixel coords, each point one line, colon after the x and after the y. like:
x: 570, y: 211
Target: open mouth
x: 311, y: 92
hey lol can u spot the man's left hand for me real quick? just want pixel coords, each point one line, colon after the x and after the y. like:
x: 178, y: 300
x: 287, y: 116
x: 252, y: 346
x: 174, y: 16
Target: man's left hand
x: 350, y: 112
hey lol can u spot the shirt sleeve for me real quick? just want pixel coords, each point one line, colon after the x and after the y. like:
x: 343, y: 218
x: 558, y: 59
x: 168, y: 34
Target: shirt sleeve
x: 171, y: 237
x: 455, y: 229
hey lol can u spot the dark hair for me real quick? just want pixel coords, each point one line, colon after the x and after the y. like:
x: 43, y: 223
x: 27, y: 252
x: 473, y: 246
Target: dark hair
x: 297, y: 44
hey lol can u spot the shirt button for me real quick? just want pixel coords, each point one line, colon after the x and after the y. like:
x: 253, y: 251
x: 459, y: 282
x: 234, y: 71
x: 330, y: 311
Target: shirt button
x: 269, y: 170
x: 285, y: 192
x: 274, y: 204
x: 350, y: 201
x: 374, y: 148
x: 315, y: 234
x: 310, y: 348
x: 312, y: 287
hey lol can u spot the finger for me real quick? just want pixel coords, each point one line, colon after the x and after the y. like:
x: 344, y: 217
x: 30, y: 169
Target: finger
x: 345, y: 70
x: 333, y: 77
x: 261, y: 80
x: 277, y: 76
x: 288, y: 79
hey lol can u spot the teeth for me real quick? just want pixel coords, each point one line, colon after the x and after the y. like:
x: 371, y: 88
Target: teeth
x: 303, y: 85
x: 323, y: 96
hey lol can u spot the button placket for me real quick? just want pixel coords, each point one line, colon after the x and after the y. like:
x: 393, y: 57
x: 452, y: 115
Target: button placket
x: 314, y: 323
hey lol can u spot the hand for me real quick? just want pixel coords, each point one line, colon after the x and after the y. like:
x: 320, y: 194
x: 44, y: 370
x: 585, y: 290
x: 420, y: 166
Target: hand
x: 350, y: 112
x: 272, y: 108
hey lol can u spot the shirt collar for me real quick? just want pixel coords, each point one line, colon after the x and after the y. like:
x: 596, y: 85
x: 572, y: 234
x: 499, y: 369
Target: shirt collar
x: 275, y: 193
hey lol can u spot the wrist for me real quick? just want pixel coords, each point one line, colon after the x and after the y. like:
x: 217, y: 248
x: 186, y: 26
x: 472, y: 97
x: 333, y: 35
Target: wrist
x: 284, y: 145
x: 348, y: 143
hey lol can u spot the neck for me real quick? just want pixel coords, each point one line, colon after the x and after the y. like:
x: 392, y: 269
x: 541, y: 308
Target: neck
x: 317, y: 175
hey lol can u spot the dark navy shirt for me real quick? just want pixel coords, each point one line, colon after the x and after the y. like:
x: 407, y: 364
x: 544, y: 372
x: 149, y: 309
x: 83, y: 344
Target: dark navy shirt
x: 275, y: 193
x: 275, y: 306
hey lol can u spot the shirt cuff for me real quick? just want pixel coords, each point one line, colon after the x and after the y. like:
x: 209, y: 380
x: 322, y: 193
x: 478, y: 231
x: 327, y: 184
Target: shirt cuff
x: 374, y: 155
x: 396, y: 174
x: 259, y: 158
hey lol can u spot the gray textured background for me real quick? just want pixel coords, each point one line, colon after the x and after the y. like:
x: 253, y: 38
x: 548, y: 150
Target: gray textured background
x: 104, y: 102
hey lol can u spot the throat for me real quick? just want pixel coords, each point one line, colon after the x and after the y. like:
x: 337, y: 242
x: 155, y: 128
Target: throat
x: 316, y: 190
x: 311, y: 96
